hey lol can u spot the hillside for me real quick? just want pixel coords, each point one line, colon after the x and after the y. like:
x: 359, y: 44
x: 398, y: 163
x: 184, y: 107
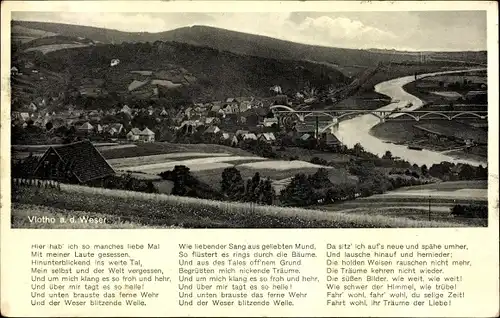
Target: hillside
x: 247, y: 44
x: 172, y: 68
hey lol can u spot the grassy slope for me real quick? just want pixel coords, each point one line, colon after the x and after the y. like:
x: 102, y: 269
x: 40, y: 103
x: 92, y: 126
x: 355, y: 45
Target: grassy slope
x: 164, y: 210
x: 22, y: 212
x: 146, y: 149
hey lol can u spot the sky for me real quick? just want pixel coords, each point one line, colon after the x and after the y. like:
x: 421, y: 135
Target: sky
x: 413, y: 31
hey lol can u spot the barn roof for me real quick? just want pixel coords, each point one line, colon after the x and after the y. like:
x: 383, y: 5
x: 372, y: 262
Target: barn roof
x: 86, y: 161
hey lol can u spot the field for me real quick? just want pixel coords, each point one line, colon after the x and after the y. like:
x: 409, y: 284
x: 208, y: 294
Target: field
x: 55, y: 47
x: 414, y: 202
x: 165, y: 210
x: 405, y: 132
x: 158, y: 148
x: 208, y: 167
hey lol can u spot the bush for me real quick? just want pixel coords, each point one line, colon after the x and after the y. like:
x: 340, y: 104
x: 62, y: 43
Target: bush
x: 470, y: 211
x: 318, y: 161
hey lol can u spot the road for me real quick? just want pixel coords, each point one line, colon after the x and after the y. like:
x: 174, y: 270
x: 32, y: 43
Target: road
x: 357, y: 130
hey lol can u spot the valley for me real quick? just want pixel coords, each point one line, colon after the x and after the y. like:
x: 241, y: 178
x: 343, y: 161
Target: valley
x: 185, y: 117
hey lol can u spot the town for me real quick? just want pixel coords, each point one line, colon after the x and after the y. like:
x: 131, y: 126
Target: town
x: 208, y: 136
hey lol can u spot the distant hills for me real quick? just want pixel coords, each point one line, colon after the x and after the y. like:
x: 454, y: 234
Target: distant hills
x: 163, y: 69
x: 243, y: 43
x: 196, y: 62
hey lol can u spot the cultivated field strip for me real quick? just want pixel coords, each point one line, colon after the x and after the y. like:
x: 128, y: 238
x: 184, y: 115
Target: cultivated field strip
x: 191, y: 163
x: 153, y: 159
x: 198, y: 167
x: 242, y: 209
x: 281, y: 165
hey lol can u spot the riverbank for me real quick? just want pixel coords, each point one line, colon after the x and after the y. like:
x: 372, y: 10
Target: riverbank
x: 444, y: 136
x: 357, y: 130
x: 407, y: 133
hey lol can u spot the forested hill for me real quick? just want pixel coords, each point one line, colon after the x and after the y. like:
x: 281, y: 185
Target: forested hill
x: 240, y: 43
x: 203, y: 72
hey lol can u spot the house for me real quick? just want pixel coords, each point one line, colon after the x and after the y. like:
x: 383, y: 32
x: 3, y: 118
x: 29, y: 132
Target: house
x: 231, y: 138
x: 147, y: 135
x: 212, y: 121
x: 112, y: 131
x: 269, y: 122
x: 267, y: 137
x: 126, y: 109
x: 189, y: 126
x: 212, y: 130
x: 228, y: 109
x: 79, y: 162
x: 32, y: 107
x: 133, y: 134
x: 86, y: 127
x: 117, y: 127
x: 251, y: 136
x: 276, y: 89
x: 163, y: 112
x: 24, y: 116
x: 98, y: 129
x: 14, y: 71
x: 215, y: 108
x: 306, y: 137
x: 331, y: 139
x: 241, y: 132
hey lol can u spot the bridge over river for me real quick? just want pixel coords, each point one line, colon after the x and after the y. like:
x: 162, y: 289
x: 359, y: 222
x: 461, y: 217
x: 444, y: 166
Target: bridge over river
x: 357, y: 129
x: 326, y: 119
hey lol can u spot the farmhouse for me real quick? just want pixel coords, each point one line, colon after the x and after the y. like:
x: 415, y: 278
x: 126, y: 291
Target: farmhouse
x: 212, y: 130
x: 78, y: 162
x: 133, y: 134
x: 86, y: 127
x: 231, y: 138
x: 147, y: 135
x: 115, y: 128
x: 267, y: 137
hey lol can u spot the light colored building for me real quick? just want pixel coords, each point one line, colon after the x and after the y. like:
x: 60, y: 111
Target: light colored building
x: 86, y: 127
x: 134, y: 134
x: 147, y: 135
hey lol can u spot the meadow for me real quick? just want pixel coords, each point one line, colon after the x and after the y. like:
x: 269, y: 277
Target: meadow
x: 159, y: 210
x: 159, y: 148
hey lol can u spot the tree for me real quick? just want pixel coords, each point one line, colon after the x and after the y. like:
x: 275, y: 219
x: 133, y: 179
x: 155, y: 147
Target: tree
x: 319, y: 179
x: 358, y: 149
x: 232, y: 183
x: 467, y: 173
x: 180, y: 176
x: 48, y: 126
x: 268, y: 192
x: 298, y: 192
x: 387, y: 155
x: 424, y: 170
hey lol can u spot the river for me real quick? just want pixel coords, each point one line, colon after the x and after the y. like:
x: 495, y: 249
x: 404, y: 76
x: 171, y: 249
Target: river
x: 357, y: 130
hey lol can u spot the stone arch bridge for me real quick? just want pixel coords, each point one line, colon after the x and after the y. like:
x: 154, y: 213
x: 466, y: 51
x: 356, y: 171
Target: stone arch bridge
x: 335, y: 116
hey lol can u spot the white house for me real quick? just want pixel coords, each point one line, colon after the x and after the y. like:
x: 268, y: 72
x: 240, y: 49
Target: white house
x: 126, y: 109
x: 134, y: 134
x: 267, y: 137
x: 147, y: 135
x: 249, y: 136
x: 212, y: 130
x: 86, y: 127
